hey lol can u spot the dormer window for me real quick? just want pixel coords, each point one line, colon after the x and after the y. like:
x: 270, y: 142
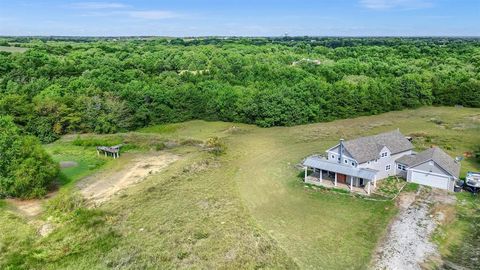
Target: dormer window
x: 346, y: 161
x: 333, y: 156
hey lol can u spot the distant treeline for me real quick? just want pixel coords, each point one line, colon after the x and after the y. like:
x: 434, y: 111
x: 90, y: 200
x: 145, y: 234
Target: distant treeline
x: 111, y: 85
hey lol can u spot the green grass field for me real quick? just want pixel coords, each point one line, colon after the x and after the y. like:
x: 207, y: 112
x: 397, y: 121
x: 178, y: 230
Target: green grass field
x: 12, y: 49
x: 245, y: 209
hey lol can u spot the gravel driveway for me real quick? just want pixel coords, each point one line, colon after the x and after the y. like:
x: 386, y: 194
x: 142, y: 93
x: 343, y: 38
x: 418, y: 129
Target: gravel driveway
x: 407, y: 244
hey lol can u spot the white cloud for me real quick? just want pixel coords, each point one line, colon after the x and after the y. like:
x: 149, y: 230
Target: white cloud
x: 112, y: 9
x: 98, y: 5
x: 152, y: 14
x: 401, y: 4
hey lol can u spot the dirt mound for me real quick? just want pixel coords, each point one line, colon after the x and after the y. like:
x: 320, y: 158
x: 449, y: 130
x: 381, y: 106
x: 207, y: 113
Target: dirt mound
x: 101, y: 187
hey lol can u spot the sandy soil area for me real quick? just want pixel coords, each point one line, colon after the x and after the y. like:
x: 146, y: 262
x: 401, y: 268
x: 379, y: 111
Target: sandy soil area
x: 29, y: 208
x: 100, y: 187
x: 407, y: 244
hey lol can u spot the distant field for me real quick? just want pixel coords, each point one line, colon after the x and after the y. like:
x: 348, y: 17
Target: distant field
x: 12, y: 49
x: 246, y: 209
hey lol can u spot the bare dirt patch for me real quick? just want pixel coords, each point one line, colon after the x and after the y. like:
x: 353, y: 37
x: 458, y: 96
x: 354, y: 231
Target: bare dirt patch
x: 407, y: 244
x: 29, y: 208
x: 101, y: 187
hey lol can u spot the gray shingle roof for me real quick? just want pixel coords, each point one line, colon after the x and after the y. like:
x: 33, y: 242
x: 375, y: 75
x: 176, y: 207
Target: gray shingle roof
x: 333, y: 166
x: 407, y: 159
x: 368, y: 148
x: 437, y: 155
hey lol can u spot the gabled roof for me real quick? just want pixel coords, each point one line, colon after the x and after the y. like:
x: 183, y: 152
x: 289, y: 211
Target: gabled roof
x: 333, y: 166
x: 368, y: 148
x: 437, y: 155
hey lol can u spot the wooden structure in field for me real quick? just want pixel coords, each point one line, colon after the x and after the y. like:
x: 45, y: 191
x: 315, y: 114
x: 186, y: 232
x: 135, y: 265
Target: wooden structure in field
x: 113, y: 151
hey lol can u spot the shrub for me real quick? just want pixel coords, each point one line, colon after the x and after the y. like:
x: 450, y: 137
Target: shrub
x: 26, y: 170
x: 92, y: 141
x: 215, y: 145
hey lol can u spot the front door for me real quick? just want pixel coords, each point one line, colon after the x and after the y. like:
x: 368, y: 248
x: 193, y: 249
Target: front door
x: 341, y: 178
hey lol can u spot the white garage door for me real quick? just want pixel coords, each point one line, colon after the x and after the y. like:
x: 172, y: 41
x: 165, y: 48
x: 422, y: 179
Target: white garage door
x: 433, y: 180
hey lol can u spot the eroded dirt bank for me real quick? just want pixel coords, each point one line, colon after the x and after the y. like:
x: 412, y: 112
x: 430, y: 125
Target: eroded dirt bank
x: 100, y: 187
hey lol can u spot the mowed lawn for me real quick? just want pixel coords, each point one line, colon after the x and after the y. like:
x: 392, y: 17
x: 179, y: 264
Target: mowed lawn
x: 246, y: 209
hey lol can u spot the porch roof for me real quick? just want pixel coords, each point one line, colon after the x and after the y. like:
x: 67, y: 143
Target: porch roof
x: 333, y: 166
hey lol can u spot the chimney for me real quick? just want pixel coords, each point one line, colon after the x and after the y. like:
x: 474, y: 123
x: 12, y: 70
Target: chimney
x: 340, y: 151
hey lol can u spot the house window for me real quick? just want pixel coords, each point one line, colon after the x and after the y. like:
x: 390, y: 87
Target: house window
x: 338, y: 159
x: 401, y: 167
x: 368, y: 162
x: 346, y: 161
x: 353, y: 163
x: 384, y: 154
x: 333, y: 156
x: 387, y: 168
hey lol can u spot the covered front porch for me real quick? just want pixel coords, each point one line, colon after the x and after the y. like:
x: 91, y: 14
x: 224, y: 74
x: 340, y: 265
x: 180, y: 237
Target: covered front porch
x: 322, y: 172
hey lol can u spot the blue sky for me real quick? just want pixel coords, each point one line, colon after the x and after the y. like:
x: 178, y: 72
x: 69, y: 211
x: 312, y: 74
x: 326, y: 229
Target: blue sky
x: 241, y: 18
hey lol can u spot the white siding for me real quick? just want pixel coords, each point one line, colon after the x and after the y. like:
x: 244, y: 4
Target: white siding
x: 332, y: 154
x: 430, y: 179
x: 381, y: 163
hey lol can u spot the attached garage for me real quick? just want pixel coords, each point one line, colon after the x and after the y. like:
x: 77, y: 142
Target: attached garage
x: 429, y: 179
x: 432, y: 167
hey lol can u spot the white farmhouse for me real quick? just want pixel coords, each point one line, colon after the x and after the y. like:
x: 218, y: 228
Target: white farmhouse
x: 361, y: 162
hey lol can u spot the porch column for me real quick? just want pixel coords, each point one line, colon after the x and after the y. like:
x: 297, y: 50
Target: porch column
x: 351, y: 182
x: 306, y: 168
x: 321, y: 177
x: 368, y: 187
x: 335, y: 179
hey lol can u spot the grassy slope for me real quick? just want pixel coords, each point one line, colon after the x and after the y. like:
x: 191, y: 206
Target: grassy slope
x: 459, y: 239
x: 201, y: 215
x: 328, y: 231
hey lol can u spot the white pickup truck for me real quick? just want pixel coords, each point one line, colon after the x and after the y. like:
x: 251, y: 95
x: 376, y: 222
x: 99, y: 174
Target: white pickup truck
x: 473, y: 179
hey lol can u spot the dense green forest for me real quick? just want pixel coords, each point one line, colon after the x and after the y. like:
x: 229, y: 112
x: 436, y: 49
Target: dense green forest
x: 72, y: 85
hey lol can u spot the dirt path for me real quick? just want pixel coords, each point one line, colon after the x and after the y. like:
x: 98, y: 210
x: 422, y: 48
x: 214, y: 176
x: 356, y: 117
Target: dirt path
x: 100, y: 187
x: 407, y: 244
x: 28, y: 208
